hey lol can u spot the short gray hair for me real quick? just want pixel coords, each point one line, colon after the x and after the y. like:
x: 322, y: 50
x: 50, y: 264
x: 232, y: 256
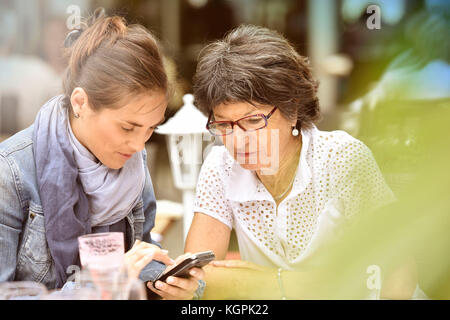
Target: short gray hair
x: 255, y: 64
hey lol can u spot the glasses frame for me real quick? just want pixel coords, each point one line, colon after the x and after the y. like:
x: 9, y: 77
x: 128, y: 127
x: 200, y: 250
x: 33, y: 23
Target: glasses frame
x: 265, y: 117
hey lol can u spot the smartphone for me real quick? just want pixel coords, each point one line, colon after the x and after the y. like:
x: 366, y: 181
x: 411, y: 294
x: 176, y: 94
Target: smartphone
x: 181, y: 270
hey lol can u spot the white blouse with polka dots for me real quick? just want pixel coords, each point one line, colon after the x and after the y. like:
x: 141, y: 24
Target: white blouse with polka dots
x: 337, y: 177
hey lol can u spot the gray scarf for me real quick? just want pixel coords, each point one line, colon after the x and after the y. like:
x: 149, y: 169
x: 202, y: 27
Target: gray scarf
x: 111, y: 193
x: 64, y: 202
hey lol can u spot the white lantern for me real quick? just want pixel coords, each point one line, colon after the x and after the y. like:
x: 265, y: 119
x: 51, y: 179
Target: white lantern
x: 186, y: 131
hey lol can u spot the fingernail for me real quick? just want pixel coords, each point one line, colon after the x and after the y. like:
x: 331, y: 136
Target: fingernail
x: 159, y: 285
x: 165, y: 251
x: 170, y: 280
x: 193, y: 272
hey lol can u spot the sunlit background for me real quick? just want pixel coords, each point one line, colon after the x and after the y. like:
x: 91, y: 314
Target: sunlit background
x: 382, y: 79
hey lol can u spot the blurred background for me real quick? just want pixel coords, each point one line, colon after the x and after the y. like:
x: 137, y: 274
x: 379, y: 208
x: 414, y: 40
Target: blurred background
x: 382, y: 66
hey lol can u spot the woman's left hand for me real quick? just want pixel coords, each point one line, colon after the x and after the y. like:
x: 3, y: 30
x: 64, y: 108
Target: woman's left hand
x: 239, y: 264
x: 176, y: 288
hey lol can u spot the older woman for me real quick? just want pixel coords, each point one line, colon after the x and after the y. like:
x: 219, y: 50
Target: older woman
x: 81, y: 167
x: 283, y: 185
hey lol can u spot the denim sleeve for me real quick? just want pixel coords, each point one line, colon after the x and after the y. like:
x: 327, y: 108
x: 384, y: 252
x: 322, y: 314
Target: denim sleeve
x: 152, y: 271
x: 11, y: 220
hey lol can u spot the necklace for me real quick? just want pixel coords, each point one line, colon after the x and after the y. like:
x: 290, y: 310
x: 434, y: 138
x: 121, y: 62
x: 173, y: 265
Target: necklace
x: 276, y: 198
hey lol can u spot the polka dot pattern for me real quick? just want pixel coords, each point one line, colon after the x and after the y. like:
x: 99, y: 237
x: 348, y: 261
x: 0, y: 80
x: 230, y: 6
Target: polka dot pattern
x: 340, y: 166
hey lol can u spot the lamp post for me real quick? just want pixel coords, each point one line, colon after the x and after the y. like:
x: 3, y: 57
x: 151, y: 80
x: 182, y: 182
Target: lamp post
x: 185, y: 135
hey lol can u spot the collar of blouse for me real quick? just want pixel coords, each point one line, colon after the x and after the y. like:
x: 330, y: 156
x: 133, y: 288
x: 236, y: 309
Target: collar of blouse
x: 243, y: 185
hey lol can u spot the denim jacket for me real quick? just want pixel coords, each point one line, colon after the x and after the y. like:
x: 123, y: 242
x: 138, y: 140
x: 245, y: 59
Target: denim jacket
x: 24, y: 253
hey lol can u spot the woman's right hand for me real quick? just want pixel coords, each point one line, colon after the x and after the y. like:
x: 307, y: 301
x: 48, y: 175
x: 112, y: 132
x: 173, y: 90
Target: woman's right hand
x: 141, y: 254
x: 176, y: 288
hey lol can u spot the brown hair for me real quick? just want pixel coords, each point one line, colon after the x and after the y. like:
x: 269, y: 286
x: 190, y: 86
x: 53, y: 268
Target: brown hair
x: 255, y: 64
x: 112, y: 61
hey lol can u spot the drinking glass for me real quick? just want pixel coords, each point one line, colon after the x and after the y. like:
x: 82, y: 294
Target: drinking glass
x: 73, y: 294
x: 99, y: 250
x: 136, y: 290
x: 113, y: 284
x: 22, y: 290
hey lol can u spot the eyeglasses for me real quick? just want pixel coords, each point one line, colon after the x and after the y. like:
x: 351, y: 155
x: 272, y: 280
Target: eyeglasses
x: 249, y: 123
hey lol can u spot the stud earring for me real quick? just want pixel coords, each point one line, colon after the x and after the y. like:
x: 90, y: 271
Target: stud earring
x: 295, y: 131
x: 77, y: 115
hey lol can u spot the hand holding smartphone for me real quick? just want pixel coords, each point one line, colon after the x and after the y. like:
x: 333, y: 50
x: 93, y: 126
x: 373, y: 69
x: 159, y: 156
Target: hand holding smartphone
x: 181, y: 270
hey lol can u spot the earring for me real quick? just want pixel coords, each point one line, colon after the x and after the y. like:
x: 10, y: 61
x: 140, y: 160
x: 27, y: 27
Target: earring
x: 295, y: 131
x: 77, y: 115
